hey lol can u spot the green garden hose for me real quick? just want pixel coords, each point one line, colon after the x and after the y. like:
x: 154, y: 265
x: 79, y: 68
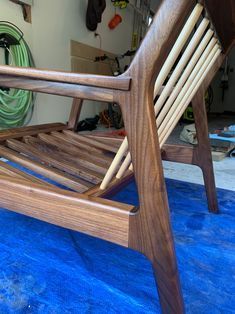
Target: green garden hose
x: 16, y: 106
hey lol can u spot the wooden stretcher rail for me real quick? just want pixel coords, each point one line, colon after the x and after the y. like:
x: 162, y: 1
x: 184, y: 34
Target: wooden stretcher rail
x: 110, y: 82
x: 102, y: 218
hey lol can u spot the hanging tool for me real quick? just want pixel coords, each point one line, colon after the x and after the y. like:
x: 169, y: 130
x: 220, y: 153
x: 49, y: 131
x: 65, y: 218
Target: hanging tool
x: 121, y: 4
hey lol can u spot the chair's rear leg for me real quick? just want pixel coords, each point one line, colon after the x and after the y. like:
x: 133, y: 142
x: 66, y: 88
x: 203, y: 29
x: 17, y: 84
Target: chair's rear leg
x: 202, y: 156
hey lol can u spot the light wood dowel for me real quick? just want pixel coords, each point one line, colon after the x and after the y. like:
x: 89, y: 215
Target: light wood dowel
x: 195, y: 74
x: 186, y: 74
x: 181, y: 64
x: 189, y: 95
x: 124, y: 166
x: 175, y: 75
x: 115, y: 164
x: 177, y: 48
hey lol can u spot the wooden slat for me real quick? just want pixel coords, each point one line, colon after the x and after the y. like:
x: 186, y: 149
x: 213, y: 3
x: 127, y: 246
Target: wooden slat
x: 55, y: 161
x: 109, y: 140
x: 74, y: 151
x: 58, y: 176
x: 84, y: 146
x: 102, y: 218
x: 178, y: 153
x: 7, y: 169
x: 54, y: 151
x: 116, y: 83
x: 83, y: 164
x: 90, y: 141
x: 31, y: 130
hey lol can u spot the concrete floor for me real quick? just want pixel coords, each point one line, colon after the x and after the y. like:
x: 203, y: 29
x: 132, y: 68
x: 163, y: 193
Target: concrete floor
x: 224, y: 169
x: 224, y: 173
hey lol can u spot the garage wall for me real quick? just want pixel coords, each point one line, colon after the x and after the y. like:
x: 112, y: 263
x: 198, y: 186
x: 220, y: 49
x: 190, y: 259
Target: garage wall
x: 228, y: 104
x: 54, y: 24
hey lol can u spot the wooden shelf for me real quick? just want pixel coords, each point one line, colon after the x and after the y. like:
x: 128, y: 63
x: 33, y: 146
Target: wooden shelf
x: 26, y: 9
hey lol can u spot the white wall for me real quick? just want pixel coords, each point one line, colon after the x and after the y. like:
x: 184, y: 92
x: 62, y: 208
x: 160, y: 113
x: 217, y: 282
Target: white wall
x: 54, y: 24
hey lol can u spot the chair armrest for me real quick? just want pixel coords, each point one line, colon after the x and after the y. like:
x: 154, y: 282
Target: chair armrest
x: 109, y: 82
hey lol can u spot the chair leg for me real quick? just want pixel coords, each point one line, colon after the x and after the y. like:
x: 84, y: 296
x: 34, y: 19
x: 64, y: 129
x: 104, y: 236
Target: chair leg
x: 75, y: 113
x: 202, y: 154
x: 152, y: 235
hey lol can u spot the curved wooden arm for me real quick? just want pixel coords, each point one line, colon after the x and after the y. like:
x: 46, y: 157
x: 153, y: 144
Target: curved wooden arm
x: 58, y: 88
x: 109, y: 82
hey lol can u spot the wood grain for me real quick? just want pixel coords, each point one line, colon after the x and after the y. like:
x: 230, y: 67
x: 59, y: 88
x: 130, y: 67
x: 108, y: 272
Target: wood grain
x: 63, y: 146
x: 6, y: 169
x: 98, y: 217
x: 82, y: 146
x: 57, y: 88
x: 58, y: 176
x: 91, y: 142
x: 75, y: 113
x: 30, y: 130
x: 54, y: 161
x: 222, y: 14
x: 147, y: 228
x: 110, y: 82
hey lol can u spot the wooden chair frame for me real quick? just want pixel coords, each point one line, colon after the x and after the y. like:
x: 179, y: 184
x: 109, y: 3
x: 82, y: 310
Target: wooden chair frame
x: 147, y: 228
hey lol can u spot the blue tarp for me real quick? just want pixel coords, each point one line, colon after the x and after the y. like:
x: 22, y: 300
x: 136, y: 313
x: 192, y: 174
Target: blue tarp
x: 48, y: 269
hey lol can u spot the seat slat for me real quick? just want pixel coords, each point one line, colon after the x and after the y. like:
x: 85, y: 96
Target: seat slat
x: 54, y: 160
x: 84, y: 146
x: 73, y: 150
x: 31, y: 130
x: 90, y: 141
x: 56, y: 175
x: 84, y: 164
x: 7, y: 169
x: 106, y: 139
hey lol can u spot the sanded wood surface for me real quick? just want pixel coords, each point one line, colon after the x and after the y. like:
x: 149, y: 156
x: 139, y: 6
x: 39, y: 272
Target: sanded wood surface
x: 75, y: 113
x: 57, y: 88
x: 222, y: 14
x: 44, y: 144
x: 55, y: 160
x: 82, y: 145
x: 91, y: 142
x: 110, y: 82
x: 58, y: 176
x: 6, y: 169
x: 98, y: 217
x: 147, y: 228
x: 30, y: 130
x: 96, y: 160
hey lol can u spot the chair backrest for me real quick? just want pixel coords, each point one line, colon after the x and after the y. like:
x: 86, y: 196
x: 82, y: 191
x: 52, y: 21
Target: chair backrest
x: 207, y: 35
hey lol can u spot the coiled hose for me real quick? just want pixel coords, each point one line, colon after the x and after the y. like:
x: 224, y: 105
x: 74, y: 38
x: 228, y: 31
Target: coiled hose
x: 16, y: 105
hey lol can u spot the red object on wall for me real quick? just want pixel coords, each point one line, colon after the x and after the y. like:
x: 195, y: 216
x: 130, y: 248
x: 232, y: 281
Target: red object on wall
x: 117, y: 19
